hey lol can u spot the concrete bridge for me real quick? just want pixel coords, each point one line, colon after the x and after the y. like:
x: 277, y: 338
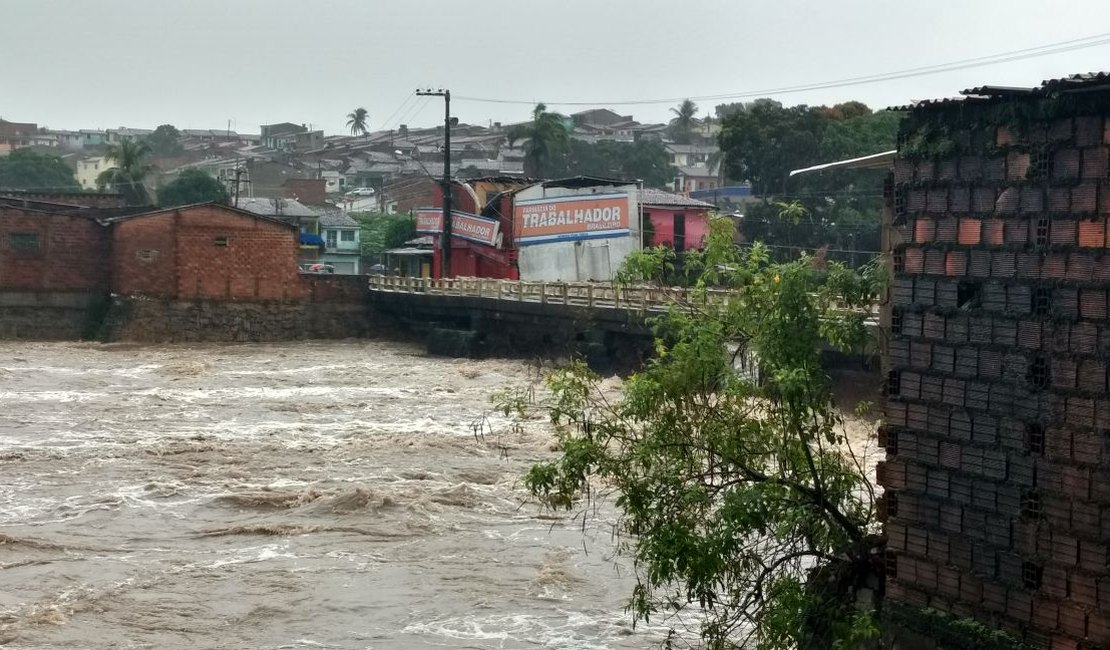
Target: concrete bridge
x: 603, y: 322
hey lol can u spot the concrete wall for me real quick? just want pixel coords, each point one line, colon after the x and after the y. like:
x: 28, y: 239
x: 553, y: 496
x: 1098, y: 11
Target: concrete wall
x: 997, y: 475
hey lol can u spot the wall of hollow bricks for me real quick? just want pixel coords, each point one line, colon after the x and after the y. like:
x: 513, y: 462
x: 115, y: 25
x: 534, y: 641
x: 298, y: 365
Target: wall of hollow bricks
x: 997, y: 421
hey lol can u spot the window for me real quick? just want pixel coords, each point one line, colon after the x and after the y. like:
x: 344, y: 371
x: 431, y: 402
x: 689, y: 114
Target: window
x: 679, y: 233
x: 27, y: 242
x: 1031, y: 575
x: 1042, y: 301
x: 223, y: 241
x: 347, y: 235
x: 332, y: 237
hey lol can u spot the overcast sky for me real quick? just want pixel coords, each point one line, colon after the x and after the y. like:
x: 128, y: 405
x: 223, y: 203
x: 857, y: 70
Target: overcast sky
x: 200, y: 63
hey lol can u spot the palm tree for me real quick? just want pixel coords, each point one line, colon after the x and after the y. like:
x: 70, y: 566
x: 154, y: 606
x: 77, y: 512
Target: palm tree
x: 356, y: 122
x: 682, y: 126
x: 547, y: 141
x: 128, y: 172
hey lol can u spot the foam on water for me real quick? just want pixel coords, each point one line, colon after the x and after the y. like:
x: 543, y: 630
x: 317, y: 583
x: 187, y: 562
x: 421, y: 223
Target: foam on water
x: 286, y: 495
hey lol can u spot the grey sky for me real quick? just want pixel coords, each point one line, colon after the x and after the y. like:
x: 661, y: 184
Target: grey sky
x: 199, y: 63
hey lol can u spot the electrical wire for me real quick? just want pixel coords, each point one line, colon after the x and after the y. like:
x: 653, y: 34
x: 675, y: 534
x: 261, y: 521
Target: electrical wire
x: 963, y: 64
x: 388, y: 124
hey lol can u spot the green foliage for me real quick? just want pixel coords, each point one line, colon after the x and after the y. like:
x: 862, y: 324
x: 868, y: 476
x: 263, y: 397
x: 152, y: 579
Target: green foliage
x: 645, y: 160
x: 741, y: 502
x: 130, y: 167
x: 763, y: 141
x: 165, y: 142
x: 192, y: 186
x: 949, y: 631
x: 681, y: 128
x: 357, y: 122
x: 647, y: 265
x: 381, y: 232
x: 23, y: 169
x: 547, y: 141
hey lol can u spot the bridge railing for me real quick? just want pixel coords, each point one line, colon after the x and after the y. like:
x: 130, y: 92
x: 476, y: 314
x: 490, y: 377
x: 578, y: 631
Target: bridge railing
x: 596, y: 295
x: 579, y: 294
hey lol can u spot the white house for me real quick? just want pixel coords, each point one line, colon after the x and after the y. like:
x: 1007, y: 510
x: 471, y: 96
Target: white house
x: 342, y: 248
x: 88, y: 169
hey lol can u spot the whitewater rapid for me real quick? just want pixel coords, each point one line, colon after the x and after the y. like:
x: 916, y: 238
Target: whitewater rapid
x: 300, y: 495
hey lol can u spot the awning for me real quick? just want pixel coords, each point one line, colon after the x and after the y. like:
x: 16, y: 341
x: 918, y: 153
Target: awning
x: 309, y: 239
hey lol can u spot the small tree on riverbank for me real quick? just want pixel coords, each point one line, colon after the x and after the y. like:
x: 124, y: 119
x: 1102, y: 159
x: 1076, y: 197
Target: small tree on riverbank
x: 742, y: 505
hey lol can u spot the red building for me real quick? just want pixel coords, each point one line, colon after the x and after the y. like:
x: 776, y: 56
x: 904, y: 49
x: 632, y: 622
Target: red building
x: 676, y: 221
x: 209, y: 251
x: 483, y: 201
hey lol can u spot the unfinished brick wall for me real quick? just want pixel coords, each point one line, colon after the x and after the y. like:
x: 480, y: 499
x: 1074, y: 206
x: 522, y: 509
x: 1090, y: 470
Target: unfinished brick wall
x: 997, y: 474
x: 205, y: 252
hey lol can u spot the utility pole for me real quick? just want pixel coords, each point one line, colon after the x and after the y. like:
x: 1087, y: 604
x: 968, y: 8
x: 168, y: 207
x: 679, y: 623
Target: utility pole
x: 445, y: 246
x: 238, y: 175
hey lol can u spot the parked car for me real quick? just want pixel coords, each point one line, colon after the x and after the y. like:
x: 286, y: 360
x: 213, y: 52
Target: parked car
x: 361, y: 191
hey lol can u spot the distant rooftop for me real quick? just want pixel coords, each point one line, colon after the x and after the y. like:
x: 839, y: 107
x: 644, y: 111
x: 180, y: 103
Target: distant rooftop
x: 649, y: 196
x: 275, y: 207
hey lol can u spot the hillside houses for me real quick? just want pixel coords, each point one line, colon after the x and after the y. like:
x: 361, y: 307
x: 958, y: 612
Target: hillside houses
x: 391, y: 167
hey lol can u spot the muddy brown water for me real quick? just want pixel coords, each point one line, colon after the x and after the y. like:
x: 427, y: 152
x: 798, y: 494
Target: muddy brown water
x: 301, y: 495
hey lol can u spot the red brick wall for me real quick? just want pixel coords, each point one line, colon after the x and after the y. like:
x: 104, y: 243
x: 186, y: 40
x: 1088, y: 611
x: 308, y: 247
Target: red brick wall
x: 258, y: 261
x: 144, y: 256
x: 71, y: 255
x: 997, y: 429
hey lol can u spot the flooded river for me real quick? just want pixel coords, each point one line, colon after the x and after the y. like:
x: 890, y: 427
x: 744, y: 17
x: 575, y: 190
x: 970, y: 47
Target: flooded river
x: 300, y: 495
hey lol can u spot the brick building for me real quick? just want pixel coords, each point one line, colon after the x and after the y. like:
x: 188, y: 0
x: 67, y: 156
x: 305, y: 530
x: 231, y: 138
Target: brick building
x: 997, y: 431
x: 51, y: 248
x: 209, y: 251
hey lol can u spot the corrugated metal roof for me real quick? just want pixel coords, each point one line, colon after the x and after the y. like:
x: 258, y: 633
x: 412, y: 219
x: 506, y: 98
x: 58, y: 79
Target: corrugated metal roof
x: 1072, y: 83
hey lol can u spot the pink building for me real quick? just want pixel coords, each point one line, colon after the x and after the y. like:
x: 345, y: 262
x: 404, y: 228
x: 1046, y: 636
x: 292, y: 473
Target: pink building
x: 676, y: 221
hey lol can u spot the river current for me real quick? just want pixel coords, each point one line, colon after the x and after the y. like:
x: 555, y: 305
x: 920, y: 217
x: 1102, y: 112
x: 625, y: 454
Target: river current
x: 296, y: 495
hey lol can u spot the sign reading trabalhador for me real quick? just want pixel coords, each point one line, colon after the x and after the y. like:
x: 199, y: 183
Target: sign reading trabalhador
x: 567, y: 218
x: 463, y: 225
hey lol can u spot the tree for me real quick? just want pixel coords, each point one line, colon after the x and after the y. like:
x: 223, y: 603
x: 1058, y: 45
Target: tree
x: 356, y: 122
x: 741, y: 503
x: 643, y: 160
x: 381, y: 232
x: 763, y: 141
x: 547, y: 141
x: 165, y: 141
x: 23, y: 169
x: 128, y: 172
x: 682, y: 126
x: 192, y: 186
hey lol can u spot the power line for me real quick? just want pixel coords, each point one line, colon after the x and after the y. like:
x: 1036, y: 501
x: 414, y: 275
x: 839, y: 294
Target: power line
x: 992, y: 59
x: 389, y: 123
